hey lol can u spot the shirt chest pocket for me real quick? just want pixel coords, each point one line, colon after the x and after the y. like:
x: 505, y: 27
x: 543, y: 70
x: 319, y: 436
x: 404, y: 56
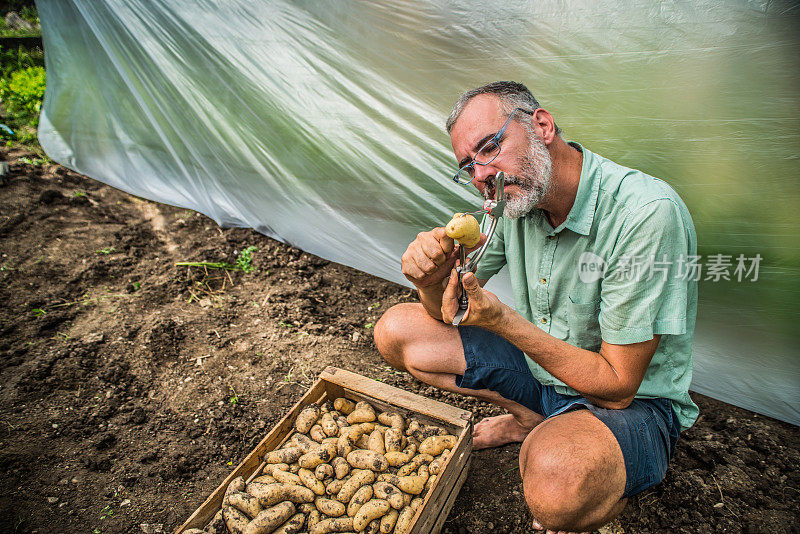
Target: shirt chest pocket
x: 584, y: 323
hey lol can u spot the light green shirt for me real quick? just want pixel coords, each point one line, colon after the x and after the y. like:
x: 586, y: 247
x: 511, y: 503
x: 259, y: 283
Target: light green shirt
x: 617, y: 270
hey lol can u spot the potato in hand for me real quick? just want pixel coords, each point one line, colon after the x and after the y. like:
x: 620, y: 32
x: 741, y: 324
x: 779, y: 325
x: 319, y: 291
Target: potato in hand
x: 465, y: 229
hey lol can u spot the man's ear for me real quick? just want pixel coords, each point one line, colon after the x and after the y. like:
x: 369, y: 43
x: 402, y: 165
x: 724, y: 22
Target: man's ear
x: 544, y: 125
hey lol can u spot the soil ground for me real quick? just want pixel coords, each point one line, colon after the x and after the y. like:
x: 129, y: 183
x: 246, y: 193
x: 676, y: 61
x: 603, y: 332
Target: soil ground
x: 130, y: 387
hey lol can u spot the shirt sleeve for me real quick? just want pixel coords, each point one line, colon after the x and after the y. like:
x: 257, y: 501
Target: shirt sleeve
x: 495, y: 257
x: 644, y: 292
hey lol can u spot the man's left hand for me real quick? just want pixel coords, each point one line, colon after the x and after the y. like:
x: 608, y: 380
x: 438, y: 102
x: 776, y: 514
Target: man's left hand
x: 485, y: 309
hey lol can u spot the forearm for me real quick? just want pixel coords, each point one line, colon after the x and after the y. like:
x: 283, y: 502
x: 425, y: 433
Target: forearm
x: 585, y: 371
x: 431, y: 299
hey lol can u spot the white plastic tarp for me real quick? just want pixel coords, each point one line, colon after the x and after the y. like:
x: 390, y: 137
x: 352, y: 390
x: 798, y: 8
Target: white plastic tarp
x: 321, y: 124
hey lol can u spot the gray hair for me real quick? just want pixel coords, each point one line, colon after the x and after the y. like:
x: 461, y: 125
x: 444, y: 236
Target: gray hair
x: 511, y: 95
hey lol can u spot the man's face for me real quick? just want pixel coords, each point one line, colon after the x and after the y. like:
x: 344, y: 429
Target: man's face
x: 523, y: 156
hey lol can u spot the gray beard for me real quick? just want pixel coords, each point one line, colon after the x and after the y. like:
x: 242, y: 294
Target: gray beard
x: 533, y: 180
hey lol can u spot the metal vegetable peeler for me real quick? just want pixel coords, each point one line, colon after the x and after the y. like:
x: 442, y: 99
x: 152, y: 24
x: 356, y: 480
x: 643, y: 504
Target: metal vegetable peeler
x: 493, y: 208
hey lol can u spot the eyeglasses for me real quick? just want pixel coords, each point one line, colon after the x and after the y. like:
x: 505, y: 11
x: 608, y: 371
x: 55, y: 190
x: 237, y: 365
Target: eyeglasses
x: 487, y: 153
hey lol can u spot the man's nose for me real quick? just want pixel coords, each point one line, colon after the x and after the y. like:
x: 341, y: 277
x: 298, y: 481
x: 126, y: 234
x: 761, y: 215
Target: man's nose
x: 484, y: 174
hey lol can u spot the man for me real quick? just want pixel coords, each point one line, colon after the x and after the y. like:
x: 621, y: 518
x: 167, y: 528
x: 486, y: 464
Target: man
x: 594, y: 365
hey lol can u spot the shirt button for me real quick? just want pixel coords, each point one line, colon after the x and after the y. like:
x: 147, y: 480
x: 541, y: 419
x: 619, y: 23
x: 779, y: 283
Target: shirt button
x: 544, y: 320
x: 544, y: 280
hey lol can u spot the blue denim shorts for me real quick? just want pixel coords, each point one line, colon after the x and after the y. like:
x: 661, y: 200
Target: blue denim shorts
x: 647, y: 430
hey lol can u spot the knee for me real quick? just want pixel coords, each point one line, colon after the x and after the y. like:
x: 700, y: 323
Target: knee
x: 556, y: 485
x: 391, y: 332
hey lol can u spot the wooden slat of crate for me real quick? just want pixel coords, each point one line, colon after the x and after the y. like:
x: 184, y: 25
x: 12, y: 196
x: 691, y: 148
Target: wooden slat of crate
x: 334, y: 383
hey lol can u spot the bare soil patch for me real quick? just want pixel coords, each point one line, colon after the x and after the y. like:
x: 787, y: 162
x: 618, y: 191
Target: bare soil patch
x: 130, y: 387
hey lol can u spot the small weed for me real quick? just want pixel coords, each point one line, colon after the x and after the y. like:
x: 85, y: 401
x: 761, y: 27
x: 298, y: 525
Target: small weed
x: 34, y: 161
x: 38, y: 312
x: 369, y: 325
x: 136, y: 286
x: 245, y: 260
x: 78, y: 194
x: 106, y: 512
x: 106, y: 250
x: 286, y: 325
x: 234, y: 400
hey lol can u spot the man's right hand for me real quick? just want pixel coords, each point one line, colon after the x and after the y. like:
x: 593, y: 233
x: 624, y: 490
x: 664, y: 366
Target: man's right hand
x: 429, y: 258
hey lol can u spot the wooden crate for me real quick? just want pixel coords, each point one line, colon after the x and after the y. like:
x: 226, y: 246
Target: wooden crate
x: 333, y: 383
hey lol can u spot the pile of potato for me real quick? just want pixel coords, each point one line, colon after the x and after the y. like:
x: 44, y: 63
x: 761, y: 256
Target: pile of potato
x: 345, y: 469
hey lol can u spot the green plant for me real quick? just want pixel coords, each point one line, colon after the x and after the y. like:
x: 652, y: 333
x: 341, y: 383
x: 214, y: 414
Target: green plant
x: 34, y: 161
x: 106, y: 250
x: 38, y: 312
x: 22, y: 92
x: 12, y: 59
x: 245, y: 260
x: 106, y: 512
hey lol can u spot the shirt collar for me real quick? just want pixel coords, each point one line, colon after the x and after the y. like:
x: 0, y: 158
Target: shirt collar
x: 581, y: 215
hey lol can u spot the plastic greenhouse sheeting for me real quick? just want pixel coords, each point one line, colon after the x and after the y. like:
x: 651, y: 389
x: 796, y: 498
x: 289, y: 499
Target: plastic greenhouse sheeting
x: 321, y: 124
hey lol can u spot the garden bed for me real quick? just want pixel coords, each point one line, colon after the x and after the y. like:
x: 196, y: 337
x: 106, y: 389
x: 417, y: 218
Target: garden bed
x: 130, y: 386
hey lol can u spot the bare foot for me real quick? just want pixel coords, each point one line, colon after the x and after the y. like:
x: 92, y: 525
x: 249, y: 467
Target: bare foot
x: 538, y: 526
x: 499, y: 430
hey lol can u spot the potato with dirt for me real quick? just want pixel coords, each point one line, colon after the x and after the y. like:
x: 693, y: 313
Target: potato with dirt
x: 404, y: 519
x: 356, y: 480
x: 363, y: 413
x: 346, y: 406
x: 237, y: 484
x: 363, y: 495
x: 271, y: 494
x: 329, y: 507
x: 283, y: 456
x: 366, y: 459
x: 292, y: 526
x: 270, y: 519
x: 307, y: 418
x: 389, y: 493
x: 309, y: 480
x: 334, y: 524
x: 435, y: 445
x: 393, y: 420
x: 245, y: 502
x: 235, y: 520
x: 371, y: 510
x: 388, y: 521
x: 396, y: 459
